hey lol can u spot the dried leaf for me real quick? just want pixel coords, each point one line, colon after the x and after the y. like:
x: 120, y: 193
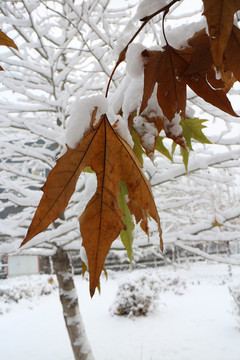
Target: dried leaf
x: 216, y: 223
x: 202, y: 57
x: 165, y: 68
x: 112, y: 159
x: 6, y: 41
x: 60, y: 186
x: 232, y: 53
x: 219, y: 14
x: 210, y: 89
x: 140, y: 216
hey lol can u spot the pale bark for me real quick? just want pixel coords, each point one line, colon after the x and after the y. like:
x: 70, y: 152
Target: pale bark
x: 69, y: 301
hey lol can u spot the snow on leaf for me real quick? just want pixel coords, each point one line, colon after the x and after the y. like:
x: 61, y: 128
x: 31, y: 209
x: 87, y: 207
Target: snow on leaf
x: 173, y: 131
x: 148, y: 129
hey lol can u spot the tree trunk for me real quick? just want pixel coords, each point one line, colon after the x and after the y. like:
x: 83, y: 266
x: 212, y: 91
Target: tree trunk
x: 69, y: 300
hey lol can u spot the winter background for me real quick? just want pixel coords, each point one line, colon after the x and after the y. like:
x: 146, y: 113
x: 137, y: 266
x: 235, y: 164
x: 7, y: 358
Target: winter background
x: 193, y: 316
x: 190, y: 310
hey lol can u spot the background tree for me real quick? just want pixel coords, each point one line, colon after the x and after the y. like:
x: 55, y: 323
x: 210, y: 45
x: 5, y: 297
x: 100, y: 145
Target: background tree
x: 62, y: 45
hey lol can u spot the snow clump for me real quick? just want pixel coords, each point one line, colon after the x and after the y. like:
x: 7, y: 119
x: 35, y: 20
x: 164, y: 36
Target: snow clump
x: 138, y: 295
x: 80, y: 117
x: 146, y: 7
x: 174, y: 128
x: 134, y: 60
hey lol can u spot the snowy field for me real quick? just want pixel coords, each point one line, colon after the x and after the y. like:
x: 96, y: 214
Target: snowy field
x: 195, y: 318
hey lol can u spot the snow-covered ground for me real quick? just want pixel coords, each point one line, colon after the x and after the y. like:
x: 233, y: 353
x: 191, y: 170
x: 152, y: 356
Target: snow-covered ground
x: 196, y: 318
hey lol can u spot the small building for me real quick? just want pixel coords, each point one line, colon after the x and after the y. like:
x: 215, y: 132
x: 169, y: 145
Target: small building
x: 23, y: 265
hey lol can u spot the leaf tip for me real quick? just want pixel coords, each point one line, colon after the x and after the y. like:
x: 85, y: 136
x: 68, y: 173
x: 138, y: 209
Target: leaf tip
x: 92, y: 291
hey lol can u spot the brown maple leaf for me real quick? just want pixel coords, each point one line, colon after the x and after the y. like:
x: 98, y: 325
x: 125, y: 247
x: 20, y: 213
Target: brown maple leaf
x: 113, y: 160
x: 232, y: 53
x: 219, y: 14
x: 202, y: 57
x: 200, y: 75
x: 5, y: 40
x: 140, y: 216
x: 210, y: 89
x: 165, y: 68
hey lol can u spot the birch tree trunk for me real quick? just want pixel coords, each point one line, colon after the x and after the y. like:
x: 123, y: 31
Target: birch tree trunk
x: 69, y: 300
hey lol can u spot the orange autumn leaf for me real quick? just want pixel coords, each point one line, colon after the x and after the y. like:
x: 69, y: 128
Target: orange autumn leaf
x: 59, y: 187
x: 216, y: 223
x: 140, y: 216
x: 5, y: 40
x: 219, y: 14
x: 113, y: 160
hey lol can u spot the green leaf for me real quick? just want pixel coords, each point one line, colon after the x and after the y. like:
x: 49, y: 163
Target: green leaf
x: 88, y: 169
x: 162, y: 149
x: 84, y: 268
x: 184, y: 153
x: 185, y: 157
x: 174, y: 145
x: 126, y: 235
x: 137, y: 148
x: 192, y: 129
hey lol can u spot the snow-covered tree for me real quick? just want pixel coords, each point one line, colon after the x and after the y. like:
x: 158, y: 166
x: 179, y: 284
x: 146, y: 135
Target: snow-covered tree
x: 66, y: 52
x: 63, y: 46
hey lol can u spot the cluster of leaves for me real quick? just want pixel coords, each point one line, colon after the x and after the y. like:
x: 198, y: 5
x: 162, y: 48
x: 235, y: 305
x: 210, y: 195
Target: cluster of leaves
x: 209, y: 66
